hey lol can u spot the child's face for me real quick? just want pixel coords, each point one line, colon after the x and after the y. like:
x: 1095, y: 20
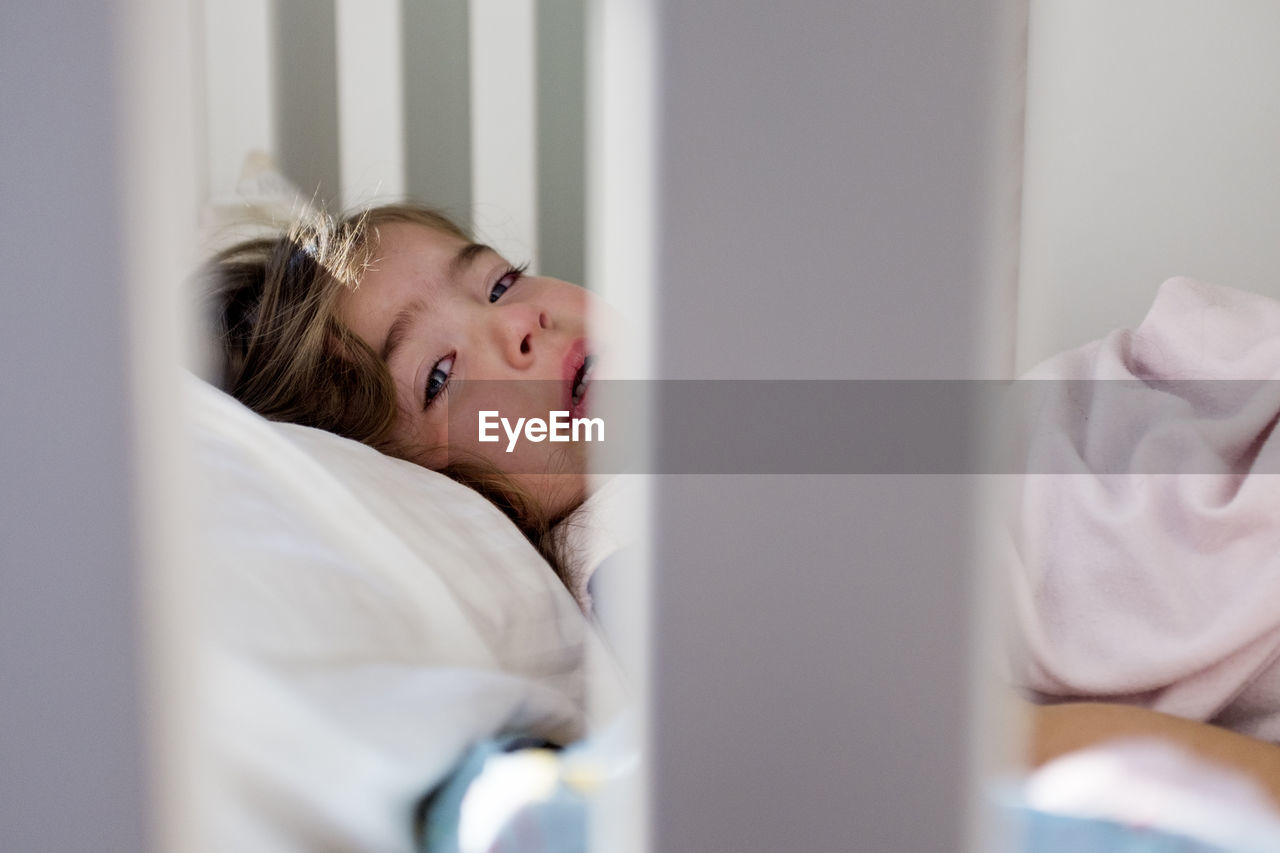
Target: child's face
x: 461, y: 331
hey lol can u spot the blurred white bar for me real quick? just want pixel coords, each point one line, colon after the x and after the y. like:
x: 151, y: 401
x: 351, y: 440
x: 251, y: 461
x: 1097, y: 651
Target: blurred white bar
x: 71, y: 713
x: 370, y: 96
x: 504, y: 190
x: 161, y: 110
x: 621, y: 70
x: 621, y: 54
x: 819, y: 212
x: 239, y: 109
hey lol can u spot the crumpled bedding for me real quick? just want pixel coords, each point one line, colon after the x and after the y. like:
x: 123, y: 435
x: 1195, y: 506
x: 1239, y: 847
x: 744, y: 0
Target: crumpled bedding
x: 1145, y: 540
x: 363, y: 623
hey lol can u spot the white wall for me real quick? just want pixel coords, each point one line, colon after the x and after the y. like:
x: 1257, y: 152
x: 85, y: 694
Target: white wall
x: 1153, y: 128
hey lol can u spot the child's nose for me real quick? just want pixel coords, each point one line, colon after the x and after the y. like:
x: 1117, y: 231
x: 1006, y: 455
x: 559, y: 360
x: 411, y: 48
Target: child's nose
x: 518, y: 326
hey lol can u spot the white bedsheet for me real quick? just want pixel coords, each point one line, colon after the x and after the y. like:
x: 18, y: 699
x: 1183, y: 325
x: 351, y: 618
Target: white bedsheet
x: 367, y: 620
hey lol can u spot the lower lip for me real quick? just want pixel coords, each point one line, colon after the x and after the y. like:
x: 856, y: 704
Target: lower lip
x: 580, y: 409
x: 574, y: 359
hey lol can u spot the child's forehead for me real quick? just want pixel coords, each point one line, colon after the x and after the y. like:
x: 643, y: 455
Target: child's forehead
x: 400, y: 237
x: 418, y: 262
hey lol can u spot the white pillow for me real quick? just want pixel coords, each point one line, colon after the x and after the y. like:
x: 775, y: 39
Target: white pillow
x: 367, y: 620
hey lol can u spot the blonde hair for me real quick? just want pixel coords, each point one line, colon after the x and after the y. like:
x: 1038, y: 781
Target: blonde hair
x: 271, y: 306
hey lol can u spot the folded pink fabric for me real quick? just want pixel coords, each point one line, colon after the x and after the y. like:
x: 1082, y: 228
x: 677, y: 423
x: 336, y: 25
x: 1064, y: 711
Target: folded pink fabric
x: 1145, y: 551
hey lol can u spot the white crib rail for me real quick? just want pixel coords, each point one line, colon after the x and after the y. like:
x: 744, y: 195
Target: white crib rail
x: 504, y: 193
x: 242, y: 74
x: 370, y: 101
x: 239, y: 97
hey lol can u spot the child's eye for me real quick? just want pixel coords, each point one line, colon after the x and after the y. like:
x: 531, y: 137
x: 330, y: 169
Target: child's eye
x: 508, y: 280
x: 438, y: 379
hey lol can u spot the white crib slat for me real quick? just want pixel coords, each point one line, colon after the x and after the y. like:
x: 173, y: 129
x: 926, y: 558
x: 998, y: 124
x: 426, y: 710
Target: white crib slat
x: 239, y: 111
x: 370, y: 101
x: 503, y: 134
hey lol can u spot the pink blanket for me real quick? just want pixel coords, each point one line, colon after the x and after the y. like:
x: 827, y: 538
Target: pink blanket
x: 1146, y: 547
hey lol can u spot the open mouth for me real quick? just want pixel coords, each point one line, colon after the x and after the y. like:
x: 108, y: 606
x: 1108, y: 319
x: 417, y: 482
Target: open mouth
x: 580, y: 380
